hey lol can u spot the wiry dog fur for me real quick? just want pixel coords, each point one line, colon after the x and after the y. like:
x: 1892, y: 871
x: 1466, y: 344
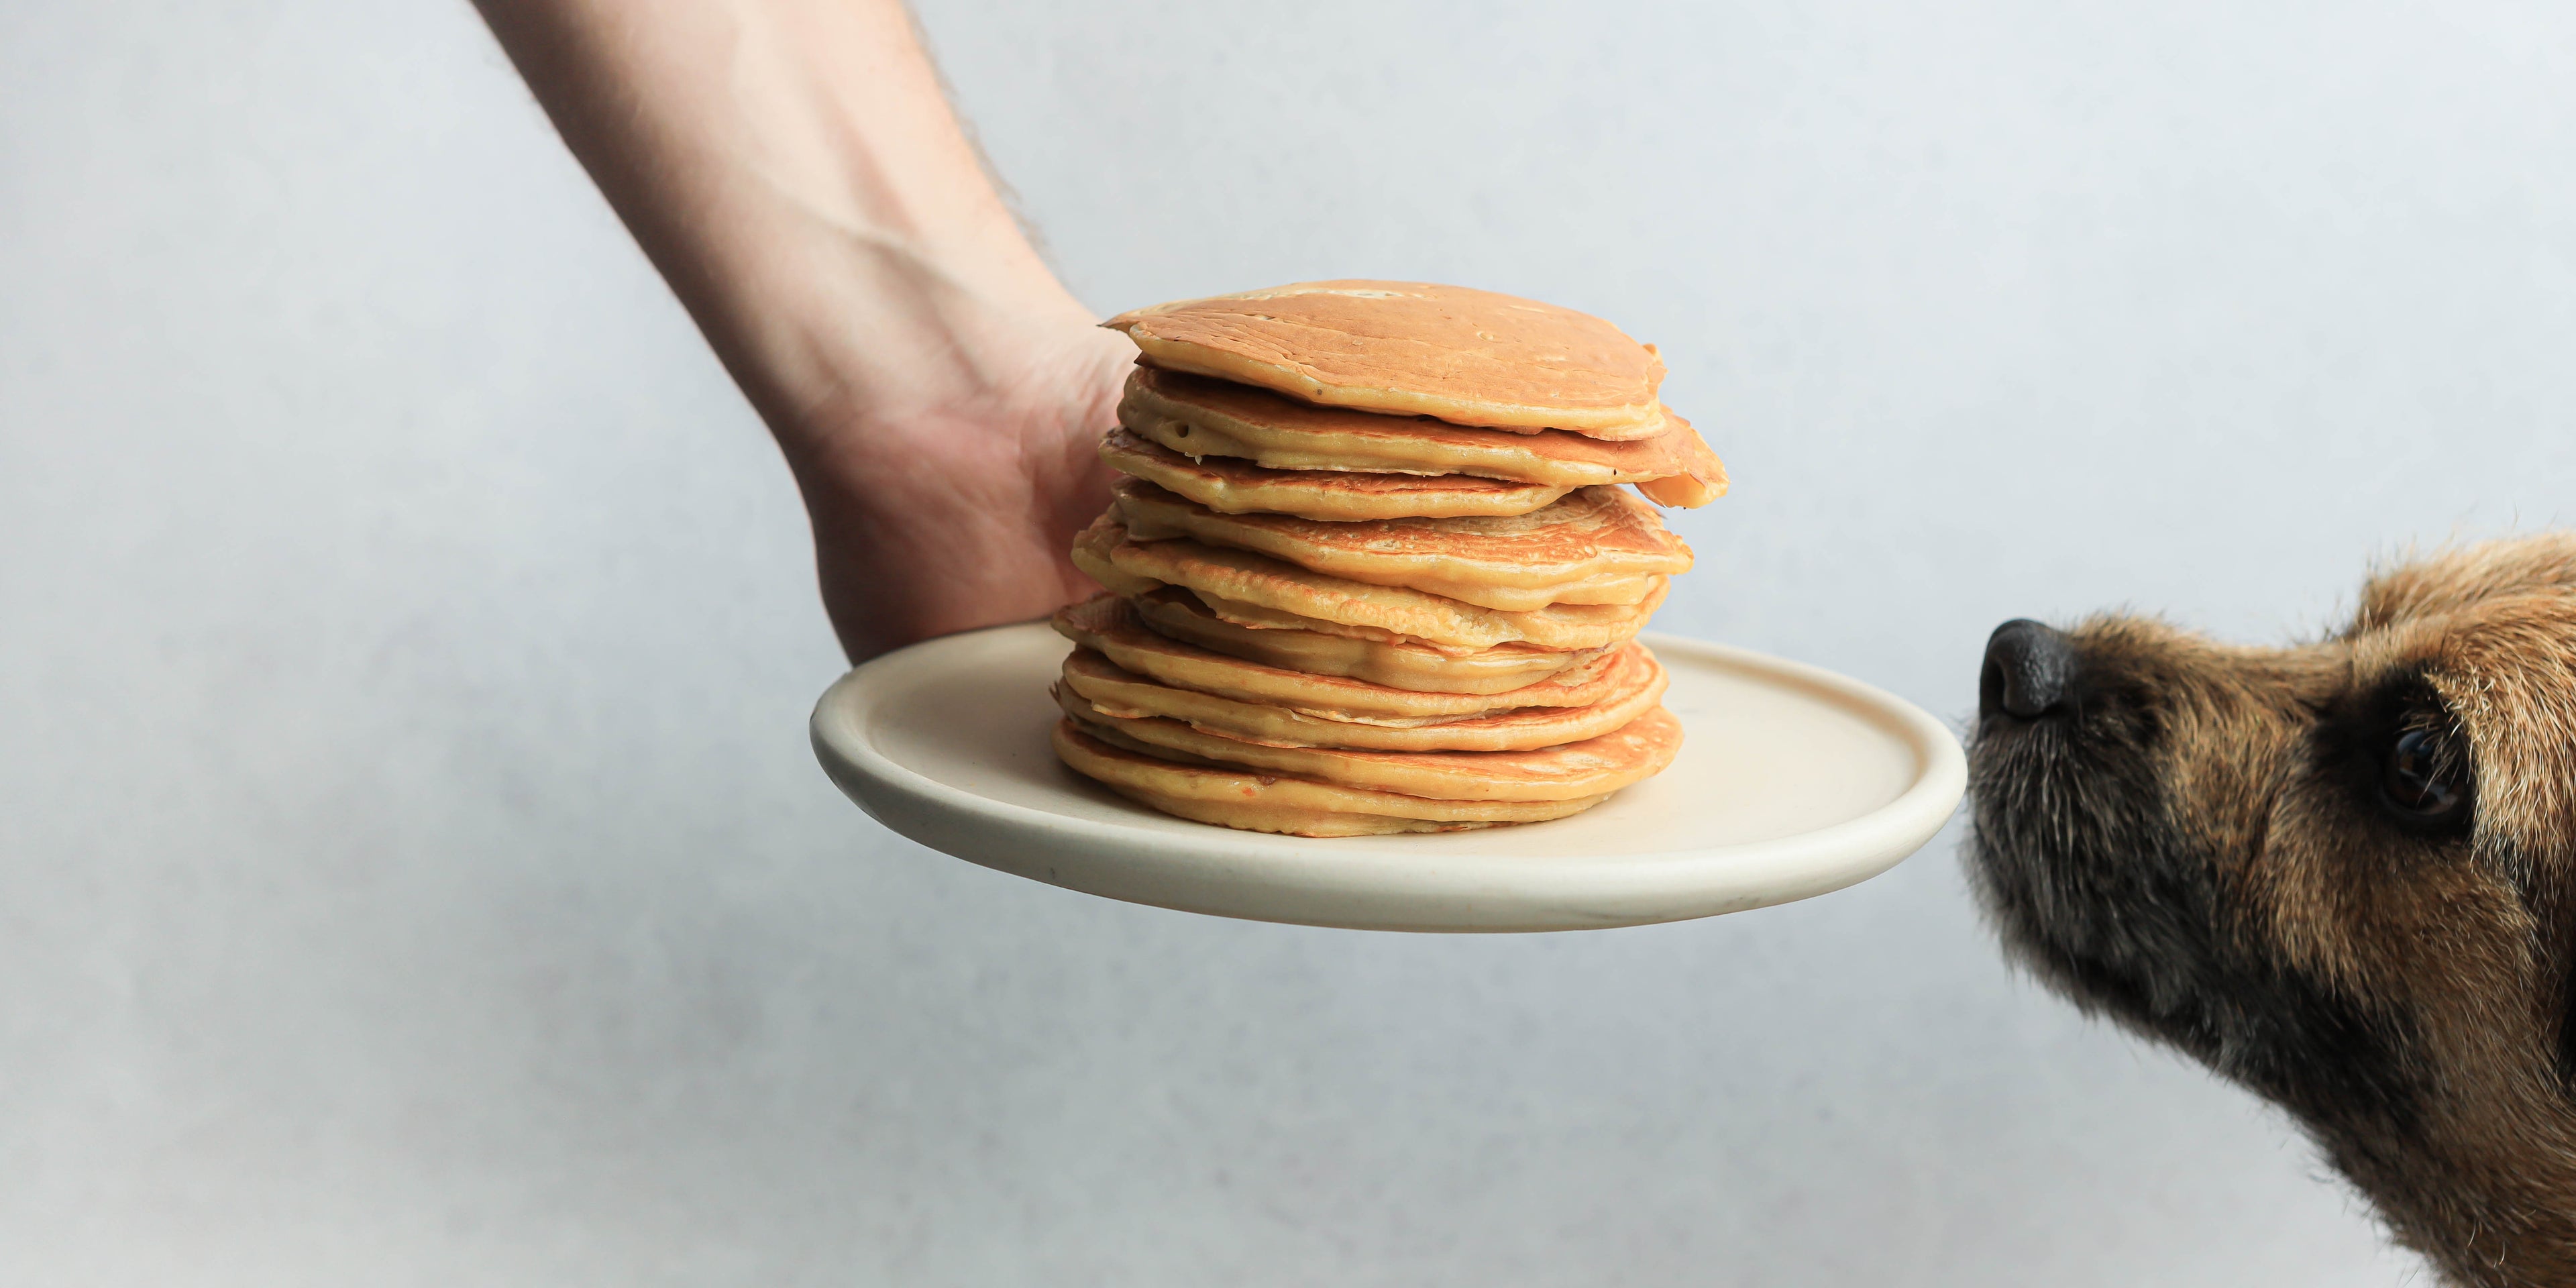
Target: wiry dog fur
x: 2200, y: 842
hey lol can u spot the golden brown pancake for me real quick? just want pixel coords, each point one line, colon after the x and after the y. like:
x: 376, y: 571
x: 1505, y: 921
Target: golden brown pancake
x: 1597, y: 545
x: 1112, y: 626
x: 1230, y: 486
x: 1415, y: 349
x: 1096, y: 687
x: 1092, y: 550
x: 1591, y: 768
x: 1269, y: 803
x: 1199, y: 417
x: 1180, y: 615
x: 1256, y: 590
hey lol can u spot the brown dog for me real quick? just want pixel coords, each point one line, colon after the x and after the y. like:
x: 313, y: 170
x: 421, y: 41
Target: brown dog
x: 2342, y: 874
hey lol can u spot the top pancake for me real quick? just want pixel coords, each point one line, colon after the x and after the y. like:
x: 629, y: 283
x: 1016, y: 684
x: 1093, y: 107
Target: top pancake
x: 1198, y: 417
x: 1468, y: 357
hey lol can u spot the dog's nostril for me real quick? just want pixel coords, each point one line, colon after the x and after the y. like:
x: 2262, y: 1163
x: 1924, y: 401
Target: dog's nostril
x: 2029, y: 672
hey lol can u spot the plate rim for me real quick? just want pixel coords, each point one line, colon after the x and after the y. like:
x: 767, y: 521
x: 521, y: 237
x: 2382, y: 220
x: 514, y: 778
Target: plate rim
x: 1874, y: 841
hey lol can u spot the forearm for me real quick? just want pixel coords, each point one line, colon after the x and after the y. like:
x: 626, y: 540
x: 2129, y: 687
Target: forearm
x: 792, y: 169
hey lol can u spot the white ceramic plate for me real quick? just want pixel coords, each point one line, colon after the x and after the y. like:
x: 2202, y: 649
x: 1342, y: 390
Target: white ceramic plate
x: 1792, y: 781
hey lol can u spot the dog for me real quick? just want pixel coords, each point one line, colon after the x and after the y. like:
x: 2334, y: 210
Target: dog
x: 2341, y: 874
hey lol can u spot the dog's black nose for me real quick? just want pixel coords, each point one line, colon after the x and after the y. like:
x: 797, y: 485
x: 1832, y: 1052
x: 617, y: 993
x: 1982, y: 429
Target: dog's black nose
x: 2030, y: 670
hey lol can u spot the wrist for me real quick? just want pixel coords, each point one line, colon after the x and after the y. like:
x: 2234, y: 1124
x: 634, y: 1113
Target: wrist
x: 948, y: 372
x: 840, y: 327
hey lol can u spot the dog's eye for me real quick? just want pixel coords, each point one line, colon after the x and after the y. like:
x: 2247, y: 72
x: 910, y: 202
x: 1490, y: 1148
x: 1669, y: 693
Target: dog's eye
x: 2423, y: 777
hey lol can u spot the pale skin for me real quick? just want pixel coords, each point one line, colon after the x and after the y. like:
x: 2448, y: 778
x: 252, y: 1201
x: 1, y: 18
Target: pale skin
x: 794, y: 170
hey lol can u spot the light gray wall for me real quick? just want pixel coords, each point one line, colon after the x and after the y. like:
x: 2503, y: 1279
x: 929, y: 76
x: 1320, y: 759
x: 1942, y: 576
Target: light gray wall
x: 412, y: 870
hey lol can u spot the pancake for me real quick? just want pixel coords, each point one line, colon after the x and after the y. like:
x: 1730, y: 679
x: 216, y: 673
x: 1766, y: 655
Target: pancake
x: 1269, y: 803
x: 1591, y: 768
x: 1095, y: 687
x: 1179, y: 615
x: 1113, y: 627
x: 1230, y: 486
x: 1199, y: 417
x: 1415, y: 349
x: 1598, y: 545
x: 1256, y: 590
x: 1092, y: 548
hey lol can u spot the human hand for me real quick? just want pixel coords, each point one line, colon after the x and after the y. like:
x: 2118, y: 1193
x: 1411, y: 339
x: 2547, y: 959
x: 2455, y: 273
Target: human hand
x: 958, y: 511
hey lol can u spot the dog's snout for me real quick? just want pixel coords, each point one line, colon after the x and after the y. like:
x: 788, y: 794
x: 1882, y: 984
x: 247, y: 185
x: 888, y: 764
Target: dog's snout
x: 2030, y: 670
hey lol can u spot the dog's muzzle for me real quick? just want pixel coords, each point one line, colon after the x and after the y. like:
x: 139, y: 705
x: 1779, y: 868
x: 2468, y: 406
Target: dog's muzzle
x: 2030, y: 672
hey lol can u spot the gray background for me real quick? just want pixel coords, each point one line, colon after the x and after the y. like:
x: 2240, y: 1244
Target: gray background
x: 412, y: 870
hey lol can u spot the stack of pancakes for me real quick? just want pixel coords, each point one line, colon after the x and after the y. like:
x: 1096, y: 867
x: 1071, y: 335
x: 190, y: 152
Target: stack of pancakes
x: 1370, y: 568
